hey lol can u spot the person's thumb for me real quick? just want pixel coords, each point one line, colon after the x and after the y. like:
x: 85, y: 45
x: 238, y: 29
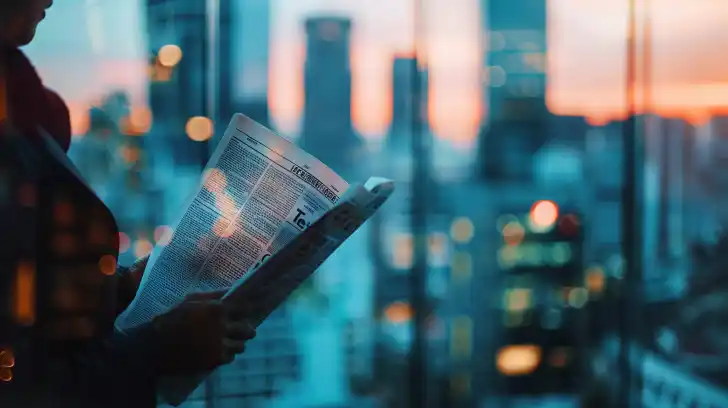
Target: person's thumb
x: 201, y: 296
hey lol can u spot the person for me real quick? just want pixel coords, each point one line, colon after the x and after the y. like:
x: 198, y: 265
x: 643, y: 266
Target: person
x: 63, y: 350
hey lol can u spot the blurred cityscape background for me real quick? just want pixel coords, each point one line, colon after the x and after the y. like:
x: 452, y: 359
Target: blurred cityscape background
x: 496, y: 276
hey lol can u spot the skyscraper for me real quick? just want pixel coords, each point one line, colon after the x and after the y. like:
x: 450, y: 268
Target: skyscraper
x: 250, y: 58
x: 516, y: 87
x: 400, y: 130
x: 179, y: 90
x: 251, y: 45
x: 327, y: 131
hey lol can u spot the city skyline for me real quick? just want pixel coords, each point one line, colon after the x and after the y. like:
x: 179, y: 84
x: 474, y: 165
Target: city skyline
x: 586, y: 46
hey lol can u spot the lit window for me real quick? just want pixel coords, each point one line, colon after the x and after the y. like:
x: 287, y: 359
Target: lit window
x: 398, y: 312
x: 462, y: 230
x: 518, y: 360
x: 24, y: 294
x: 438, y: 249
x: 461, y: 266
x: 403, y: 251
x: 517, y: 300
x: 460, y: 337
x: 594, y: 279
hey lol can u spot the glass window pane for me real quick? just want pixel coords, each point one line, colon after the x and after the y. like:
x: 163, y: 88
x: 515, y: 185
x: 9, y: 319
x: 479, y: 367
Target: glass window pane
x: 497, y: 269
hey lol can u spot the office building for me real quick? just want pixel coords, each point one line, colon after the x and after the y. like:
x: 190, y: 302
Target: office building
x: 178, y: 43
x: 328, y: 131
x: 515, y: 82
x: 404, y: 72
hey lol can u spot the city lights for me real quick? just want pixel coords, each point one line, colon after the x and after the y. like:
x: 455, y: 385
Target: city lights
x: 162, y: 235
x: 543, y: 215
x: 169, y: 55
x: 461, y: 335
x: 124, y: 242
x: 199, y: 128
x: 513, y: 233
x: 7, y: 362
x: 462, y: 230
x: 518, y: 360
x: 107, y: 265
x: 398, y: 312
x: 142, y: 248
x: 24, y: 294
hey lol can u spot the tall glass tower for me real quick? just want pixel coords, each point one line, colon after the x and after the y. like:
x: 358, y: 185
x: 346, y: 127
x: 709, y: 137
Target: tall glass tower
x: 515, y: 79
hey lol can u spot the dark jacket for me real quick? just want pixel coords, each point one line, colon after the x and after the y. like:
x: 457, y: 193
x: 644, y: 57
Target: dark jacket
x: 55, y: 229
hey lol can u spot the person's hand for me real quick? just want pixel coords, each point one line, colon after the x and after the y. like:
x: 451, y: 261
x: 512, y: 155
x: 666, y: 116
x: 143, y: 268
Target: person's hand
x: 200, y: 334
x: 128, y: 285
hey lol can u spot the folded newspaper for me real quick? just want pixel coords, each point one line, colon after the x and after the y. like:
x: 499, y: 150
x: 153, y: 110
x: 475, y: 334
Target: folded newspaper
x: 265, y: 216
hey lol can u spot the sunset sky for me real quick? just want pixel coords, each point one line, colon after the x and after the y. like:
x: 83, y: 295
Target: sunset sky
x: 105, y: 49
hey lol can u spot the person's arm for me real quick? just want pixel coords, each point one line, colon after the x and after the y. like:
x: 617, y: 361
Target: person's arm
x: 195, y: 336
x: 119, y: 370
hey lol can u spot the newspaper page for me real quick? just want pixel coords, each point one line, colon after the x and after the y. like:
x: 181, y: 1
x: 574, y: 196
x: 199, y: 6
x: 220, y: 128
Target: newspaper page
x: 267, y: 287
x: 258, y: 192
x: 270, y: 285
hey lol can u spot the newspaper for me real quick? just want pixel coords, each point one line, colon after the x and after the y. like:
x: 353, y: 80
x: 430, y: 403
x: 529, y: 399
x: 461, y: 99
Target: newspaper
x: 265, y: 216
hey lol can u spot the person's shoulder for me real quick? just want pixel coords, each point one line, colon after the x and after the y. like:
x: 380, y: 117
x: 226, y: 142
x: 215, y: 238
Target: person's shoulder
x: 32, y: 102
x: 60, y: 118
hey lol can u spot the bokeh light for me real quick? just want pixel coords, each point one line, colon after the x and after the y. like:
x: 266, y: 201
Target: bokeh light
x: 169, y: 55
x: 107, y: 265
x: 462, y: 230
x: 199, y: 128
x: 124, y: 242
x: 142, y: 248
x: 162, y: 235
x: 544, y: 214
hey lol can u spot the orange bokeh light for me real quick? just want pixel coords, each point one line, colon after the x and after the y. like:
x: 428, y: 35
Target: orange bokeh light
x: 398, y: 312
x: 199, y: 128
x: 142, y: 248
x: 24, y: 294
x: 518, y: 360
x: 544, y: 213
x: 107, y: 265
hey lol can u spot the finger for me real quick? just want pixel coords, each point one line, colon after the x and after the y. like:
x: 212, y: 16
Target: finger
x: 236, y: 312
x: 232, y: 347
x: 227, y: 356
x: 240, y: 330
x: 213, y: 295
x: 209, y: 315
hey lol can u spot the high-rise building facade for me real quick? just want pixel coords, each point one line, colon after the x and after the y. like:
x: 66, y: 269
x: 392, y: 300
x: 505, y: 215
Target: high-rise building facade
x: 250, y: 42
x: 251, y: 45
x: 328, y: 131
x: 179, y: 89
x: 515, y: 78
x: 404, y: 72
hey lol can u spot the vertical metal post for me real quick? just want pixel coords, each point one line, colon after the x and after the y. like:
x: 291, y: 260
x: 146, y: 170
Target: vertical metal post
x: 212, y: 24
x: 212, y: 70
x: 420, y: 177
x: 632, y: 233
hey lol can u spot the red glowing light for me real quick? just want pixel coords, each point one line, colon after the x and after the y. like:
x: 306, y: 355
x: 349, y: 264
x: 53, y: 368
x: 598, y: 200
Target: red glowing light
x: 569, y: 224
x: 544, y: 213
